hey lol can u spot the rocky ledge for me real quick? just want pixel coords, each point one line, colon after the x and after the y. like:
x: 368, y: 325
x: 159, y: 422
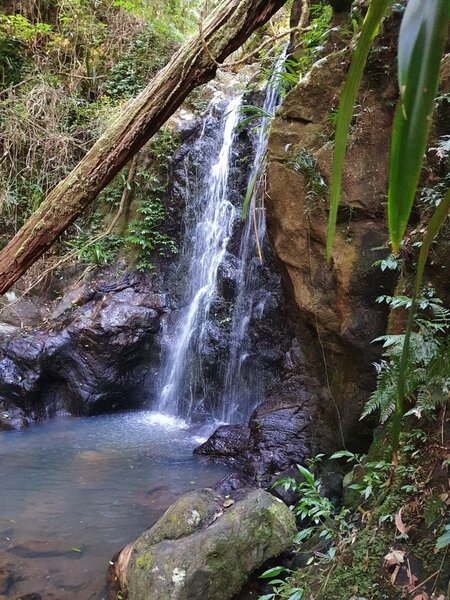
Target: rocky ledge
x: 94, y: 354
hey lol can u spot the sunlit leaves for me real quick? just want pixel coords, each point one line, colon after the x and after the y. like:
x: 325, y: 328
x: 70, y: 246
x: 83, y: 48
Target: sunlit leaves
x: 421, y: 44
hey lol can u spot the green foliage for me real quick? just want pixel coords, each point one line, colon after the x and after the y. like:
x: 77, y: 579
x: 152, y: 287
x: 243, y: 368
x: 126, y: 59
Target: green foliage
x: 16, y: 32
x: 434, y: 226
x: 144, y: 233
x: 147, y: 54
x: 370, y: 28
x: 98, y: 253
x: 304, y: 163
x: 392, y: 263
x: 282, y: 589
x: 251, y: 113
x: 314, y: 510
x: 369, y: 479
x: 421, y: 44
x: 427, y: 378
x: 310, y: 48
x: 64, y: 71
x: 444, y: 539
x: 144, y: 237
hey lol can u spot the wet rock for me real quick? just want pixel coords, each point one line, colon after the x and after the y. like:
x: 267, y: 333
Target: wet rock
x: 96, y: 357
x: 13, y: 419
x: 20, y: 312
x: 233, y: 482
x: 205, y: 547
x: 285, y: 430
x: 232, y: 443
x: 29, y: 597
x: 226, y: 276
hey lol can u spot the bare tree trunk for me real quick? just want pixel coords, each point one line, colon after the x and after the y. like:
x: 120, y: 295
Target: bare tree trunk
x: 227, y: 28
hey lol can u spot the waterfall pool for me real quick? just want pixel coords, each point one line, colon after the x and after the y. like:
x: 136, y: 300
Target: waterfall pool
x: 74, y: 491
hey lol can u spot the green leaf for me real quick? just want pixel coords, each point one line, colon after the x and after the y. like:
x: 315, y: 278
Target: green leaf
x: 342, y: 454
x: 249, y: 193
x: 272, y: 572
x: 76, y: 549
x: 309, y: 477
x: 421, y: 45
x: 433, y: 228
x: 375, y: 14
x: 304, y: 534
x: 443, y: 540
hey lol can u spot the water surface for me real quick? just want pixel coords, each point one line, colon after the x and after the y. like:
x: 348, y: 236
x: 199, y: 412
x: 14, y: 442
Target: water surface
x: 75, y: 491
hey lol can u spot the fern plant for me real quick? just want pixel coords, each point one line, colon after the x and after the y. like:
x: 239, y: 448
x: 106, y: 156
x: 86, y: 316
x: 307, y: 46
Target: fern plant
x: 145, y: 235
x: 427, y: 377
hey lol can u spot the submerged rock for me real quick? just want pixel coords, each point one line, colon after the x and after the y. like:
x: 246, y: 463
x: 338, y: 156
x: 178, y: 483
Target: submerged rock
x: 6, y: 580
x: 205, y: 546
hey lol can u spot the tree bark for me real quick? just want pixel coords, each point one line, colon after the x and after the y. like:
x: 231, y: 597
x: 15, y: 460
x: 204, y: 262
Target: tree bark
x: 195, y: 63
x: 296, y: 13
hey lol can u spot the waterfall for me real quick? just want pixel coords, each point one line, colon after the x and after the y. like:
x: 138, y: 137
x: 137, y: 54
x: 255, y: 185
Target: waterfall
x: 242, y: 385
x: 208, y: 239
x: 211, y: 218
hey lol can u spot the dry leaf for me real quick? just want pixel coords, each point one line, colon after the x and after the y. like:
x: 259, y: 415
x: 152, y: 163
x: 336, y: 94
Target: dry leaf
x: 394, y: 574
x: 366, y: 561
x: 445, y: 498
x: 393, y: 558
x: 403, y: 529
x: 412, y: 579
x: 228, y: 503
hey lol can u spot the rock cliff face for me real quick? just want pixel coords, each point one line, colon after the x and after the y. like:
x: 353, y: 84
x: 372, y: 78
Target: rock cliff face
x: 95, y: 355
x: 336, y: 302
x: 328, y: 372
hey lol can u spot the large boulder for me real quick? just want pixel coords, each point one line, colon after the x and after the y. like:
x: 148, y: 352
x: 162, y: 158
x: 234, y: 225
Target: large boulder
x: 284, y: 430
x: 94, y: 354
x: 205, y: 546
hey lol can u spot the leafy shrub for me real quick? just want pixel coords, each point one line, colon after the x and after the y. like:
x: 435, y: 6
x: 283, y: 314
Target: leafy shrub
x: 309, y: 51
x: 427, y: 377
x: 144, y: 233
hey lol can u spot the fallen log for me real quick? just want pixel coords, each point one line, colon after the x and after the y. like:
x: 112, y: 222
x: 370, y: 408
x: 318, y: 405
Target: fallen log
x: 226, y: 29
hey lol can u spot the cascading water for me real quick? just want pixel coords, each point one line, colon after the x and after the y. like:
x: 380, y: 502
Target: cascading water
x: 210, y: 221
x: 242, y: 385
x: 214, y: 219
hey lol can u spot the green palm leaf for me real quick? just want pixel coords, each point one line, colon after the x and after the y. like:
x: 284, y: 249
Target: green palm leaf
x: 375, y: 14
x: 421, y: 44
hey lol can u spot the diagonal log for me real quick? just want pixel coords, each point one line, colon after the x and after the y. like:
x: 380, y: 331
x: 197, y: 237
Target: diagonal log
x: 227, y: 28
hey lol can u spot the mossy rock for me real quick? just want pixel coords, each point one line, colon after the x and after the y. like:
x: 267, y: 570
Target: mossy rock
x: 205, y: 547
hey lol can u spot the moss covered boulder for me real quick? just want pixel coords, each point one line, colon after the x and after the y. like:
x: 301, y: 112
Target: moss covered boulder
x: 205, y: 546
